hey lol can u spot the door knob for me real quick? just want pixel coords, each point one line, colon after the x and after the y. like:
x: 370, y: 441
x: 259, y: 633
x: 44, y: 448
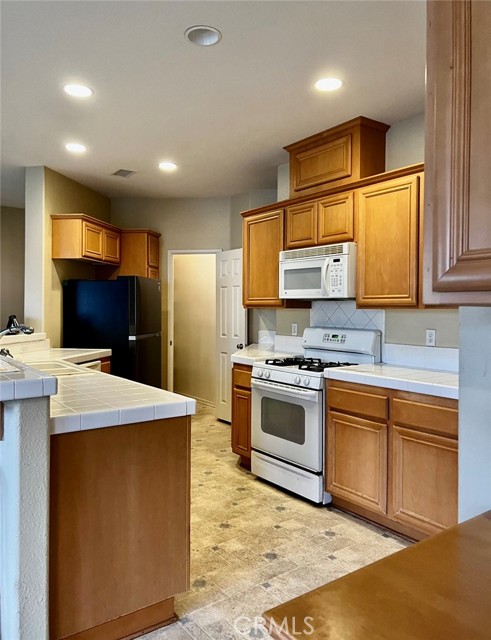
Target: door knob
x: 240, y: 345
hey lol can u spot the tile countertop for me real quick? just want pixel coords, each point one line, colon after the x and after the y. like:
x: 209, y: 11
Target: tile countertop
x: 255, y: 352
x: 87, y: 399
x: 427, y: 381
x: 20, y: 382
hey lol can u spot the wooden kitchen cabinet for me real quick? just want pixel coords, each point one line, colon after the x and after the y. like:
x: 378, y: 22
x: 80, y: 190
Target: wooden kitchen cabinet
x: 324, y: 221
x: 424, y: 462
x: 119, y: 528
x: 391, y: 456
x: 388, y: 217
x: 457, y: 150
x: 241, y: 413
x: 80, y: 237
x: 356, y: 447
x: 262, y: 243
x: 140, y: 253
x: 337, y: 156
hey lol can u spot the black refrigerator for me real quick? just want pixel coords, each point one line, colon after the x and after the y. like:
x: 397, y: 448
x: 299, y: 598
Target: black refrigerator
x: 123, y: 315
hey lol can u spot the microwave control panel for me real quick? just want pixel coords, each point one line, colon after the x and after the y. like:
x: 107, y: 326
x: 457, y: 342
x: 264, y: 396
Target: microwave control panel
x: 337, y: 275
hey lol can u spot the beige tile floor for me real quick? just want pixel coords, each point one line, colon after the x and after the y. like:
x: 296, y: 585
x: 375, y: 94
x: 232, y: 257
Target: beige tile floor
x: 254, y: 546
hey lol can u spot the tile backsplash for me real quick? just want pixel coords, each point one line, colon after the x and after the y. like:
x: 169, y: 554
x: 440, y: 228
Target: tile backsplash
x: 344, y: 314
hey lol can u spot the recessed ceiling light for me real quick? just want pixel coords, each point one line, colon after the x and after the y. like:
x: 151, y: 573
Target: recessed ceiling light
x: 167, y: 166
x: 328, y: 84
x: 75, y: 147
x: 203, y: 35
x: 78, y: 90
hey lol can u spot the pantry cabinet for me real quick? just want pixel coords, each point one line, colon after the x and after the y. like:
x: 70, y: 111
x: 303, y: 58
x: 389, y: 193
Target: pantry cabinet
x: 391, y: 456
x: 241, y: 413
x: 458, y: 140
x: 388, y: 243
x: 140, y: 253
x: 262, y: 243
x: 80, y: 237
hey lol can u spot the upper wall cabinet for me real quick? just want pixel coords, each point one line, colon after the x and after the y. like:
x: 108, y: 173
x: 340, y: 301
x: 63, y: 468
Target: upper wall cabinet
x: 457, y: 260
x: 388, y: 243
x: 262, y: 243
x: 323, y: 221
x: 140, y: 253
x: 80, y: 237
x: 337, y: 156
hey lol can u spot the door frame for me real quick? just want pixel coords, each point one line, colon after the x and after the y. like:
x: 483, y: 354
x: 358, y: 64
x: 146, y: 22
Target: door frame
x: 170, y: 306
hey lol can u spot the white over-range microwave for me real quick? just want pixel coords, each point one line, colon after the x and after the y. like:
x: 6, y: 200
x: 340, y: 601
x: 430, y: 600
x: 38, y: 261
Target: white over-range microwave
x: 319, y: 273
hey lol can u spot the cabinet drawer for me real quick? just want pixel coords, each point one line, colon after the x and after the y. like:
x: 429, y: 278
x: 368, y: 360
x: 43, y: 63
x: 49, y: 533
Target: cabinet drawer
x: 368, y: 404
x: 425, y: 416
x: 242, y: 376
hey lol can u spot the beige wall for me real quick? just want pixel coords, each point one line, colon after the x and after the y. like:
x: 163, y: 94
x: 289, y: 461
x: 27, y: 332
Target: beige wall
x: 185, y: 223
x: 47, y: 193
x: 403, y: 326
x: 12, y: 237
x: 286, y: 317
x: 195, y: 326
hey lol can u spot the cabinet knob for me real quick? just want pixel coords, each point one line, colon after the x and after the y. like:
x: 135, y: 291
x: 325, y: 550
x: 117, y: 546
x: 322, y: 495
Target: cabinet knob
x: 240, y: 345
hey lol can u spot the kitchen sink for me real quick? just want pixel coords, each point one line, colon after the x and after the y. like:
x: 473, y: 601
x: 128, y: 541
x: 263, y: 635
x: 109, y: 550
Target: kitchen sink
x: 58, y: 369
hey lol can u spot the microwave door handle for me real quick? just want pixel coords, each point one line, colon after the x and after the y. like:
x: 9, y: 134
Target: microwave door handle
x: 326, y: 289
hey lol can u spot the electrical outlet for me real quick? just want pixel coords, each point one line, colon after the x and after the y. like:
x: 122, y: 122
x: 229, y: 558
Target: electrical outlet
x: 294, y: 328
x: 430, y: 337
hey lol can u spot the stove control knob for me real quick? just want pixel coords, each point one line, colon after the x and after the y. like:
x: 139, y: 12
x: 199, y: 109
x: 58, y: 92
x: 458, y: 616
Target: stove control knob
x: 297, y: 380
x: 306, y: 381
x: 259, y: 373
x: 267, y: 374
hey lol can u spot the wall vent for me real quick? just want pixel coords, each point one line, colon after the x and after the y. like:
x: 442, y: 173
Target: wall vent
x: 124, y: 173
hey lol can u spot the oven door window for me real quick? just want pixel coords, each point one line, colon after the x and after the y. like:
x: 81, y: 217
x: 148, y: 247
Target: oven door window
x: 283, y: 420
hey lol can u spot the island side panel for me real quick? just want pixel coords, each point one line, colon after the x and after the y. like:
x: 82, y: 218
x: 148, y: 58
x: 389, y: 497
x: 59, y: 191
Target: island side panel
x: 119, y: 524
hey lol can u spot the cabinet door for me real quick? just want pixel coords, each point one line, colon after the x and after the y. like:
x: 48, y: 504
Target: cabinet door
x: 241, y: 422
x: 262, y: 242
x: 457, y: 154
x: 423, y: 480
x: 152, y: 273
x: 301, y: 225
x: 92, y: 241
x: 111, y: 246
x: 388, y: 252
x: 335, y: 216
x: 357, y: 460
x: 153, y: 251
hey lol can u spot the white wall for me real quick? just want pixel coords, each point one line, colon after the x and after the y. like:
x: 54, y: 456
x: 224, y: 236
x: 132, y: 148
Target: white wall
x: 474, y: 412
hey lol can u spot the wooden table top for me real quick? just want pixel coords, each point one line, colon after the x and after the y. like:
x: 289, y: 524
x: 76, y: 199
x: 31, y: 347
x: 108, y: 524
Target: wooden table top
x: 438, y: 589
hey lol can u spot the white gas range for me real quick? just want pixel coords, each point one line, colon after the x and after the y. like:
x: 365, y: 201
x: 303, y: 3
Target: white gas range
x: 287, y: 431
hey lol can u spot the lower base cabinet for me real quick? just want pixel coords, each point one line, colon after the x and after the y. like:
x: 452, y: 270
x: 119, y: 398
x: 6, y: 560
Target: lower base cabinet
x: 392, y: 456
x: 241, y: 413
x: 119, y: 529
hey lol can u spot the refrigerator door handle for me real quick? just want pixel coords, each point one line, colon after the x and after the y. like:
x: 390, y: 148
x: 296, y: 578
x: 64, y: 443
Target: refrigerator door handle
x: 142, y: 337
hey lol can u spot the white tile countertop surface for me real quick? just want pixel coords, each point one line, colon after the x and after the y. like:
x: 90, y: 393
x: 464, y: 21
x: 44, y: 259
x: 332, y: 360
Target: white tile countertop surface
x: 93, y: 400
x: 86, y: 399
x: 430, y: 382
x: 20, y: 382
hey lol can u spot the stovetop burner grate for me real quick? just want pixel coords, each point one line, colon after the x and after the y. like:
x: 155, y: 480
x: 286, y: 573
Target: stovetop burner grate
x: 306, y: 364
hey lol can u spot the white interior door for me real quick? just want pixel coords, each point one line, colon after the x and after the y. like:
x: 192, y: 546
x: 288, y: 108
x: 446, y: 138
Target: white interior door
x: 231, y: 325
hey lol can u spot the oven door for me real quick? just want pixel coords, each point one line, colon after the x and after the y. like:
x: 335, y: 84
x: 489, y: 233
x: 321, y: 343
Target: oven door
x: 287, y: 423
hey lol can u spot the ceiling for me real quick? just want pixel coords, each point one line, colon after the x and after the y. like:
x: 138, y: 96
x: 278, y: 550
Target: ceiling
x: 222, y: 113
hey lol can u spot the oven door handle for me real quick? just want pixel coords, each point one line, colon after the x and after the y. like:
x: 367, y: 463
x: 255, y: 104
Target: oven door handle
x: 283, y: 390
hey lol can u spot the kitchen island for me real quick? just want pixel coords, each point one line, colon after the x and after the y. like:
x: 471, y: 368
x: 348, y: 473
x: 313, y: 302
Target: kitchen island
x: 119, y: 479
